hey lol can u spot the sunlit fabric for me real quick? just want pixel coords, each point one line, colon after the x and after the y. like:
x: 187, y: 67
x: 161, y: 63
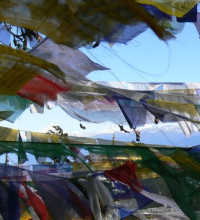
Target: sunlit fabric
x: 129, y: 177
x: 54, y: 191
x: 92, y: 178
x: 173, y: 175
x: 153, y: 173
x: 46, y: 139
x: 137, y: 105
x: 26, y: 209
x: 125, y: 33
x: 9, y: 134
x: 185, y: 111
x: 79, y: 157
x: 126, y: 173
x: 76, y: 23
x: 93, y: 107
x: 165, y: 115
x: 176, y: 8
x: 156, y: 12
x: 18, y: 67
x: 197, y: 23
x: 11, y: 107
x: 99, y: 196
x: 135, y: 114
x: 74, y: 64
x: 191, y: 16
x: 127, y: 200
x: 173, y: 26
x: 52, y: 168
x: 71, y: 61
x: 43, y: 88
x: 63, y: 200
x: 37, y: 203
x: 47, y: 168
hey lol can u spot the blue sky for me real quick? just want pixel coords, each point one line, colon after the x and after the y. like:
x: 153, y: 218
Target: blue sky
x: 174, y: 61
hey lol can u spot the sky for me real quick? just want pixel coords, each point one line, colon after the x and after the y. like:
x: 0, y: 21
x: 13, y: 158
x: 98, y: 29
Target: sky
x: 173, y: 61
x: 176, y: 60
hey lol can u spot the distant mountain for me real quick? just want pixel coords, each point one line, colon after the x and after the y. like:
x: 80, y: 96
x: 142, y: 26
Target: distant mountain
x: 164, y: 135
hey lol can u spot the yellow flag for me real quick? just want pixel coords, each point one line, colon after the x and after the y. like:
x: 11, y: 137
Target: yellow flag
x: 172, y: 7
x: 18, y: 67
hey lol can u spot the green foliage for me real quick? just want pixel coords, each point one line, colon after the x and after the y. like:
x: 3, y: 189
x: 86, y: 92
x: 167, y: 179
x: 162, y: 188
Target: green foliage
x: 57, y: 130
x: 21, y: 36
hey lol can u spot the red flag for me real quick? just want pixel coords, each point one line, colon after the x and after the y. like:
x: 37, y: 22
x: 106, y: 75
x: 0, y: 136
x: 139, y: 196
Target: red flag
x: 37, y: 204
x: 126, y: 173
x: 43, y: 88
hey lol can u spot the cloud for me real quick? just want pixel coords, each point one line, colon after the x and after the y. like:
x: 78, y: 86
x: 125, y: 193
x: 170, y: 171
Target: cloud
x: 90, y: 133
